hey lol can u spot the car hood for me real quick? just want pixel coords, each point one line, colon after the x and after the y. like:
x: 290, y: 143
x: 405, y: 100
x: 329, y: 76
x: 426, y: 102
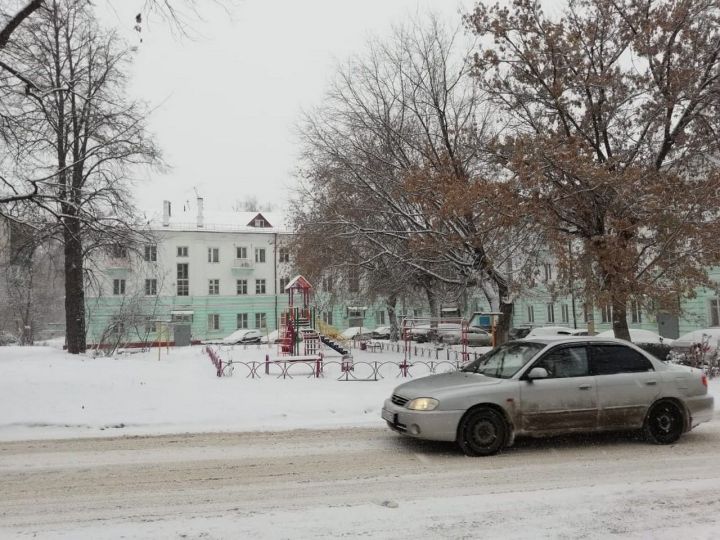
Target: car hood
x: 434, y: 385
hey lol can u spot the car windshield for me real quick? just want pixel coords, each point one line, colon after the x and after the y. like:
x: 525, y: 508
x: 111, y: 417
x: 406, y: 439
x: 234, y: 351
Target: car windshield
x: 506, y: 360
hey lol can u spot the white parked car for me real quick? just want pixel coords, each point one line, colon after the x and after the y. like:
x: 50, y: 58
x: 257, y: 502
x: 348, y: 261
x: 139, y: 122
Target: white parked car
x: 641, y: 336
x: 549, y: 331
x: 356, y: 332
x: 243, y: 336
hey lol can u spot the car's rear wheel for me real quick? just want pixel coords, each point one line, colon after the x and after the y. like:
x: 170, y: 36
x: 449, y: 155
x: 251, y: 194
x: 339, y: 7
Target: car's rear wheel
x: 482, y: 432
x: 664, y: 423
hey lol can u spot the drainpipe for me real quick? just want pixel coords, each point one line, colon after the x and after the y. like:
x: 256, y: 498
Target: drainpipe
x: 275, y: 279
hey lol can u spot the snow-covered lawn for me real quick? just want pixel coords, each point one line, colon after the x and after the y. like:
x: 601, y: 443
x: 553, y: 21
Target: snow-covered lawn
x: 46, y: 393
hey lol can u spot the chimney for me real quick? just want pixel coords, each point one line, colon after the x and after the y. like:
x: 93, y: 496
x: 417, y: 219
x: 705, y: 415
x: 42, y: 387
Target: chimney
x: 200, y: 219
x: 166, y: 214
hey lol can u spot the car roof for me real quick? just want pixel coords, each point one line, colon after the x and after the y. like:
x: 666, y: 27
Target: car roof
x: 547, y: 340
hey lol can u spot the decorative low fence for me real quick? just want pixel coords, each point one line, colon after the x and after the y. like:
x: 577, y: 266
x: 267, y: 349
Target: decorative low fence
x: 339, y: 369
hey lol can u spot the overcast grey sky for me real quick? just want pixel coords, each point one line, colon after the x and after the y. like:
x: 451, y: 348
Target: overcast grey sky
x: 226, y: 103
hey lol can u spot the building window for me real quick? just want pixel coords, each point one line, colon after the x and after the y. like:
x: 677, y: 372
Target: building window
x: 327, y: 284
x: 182, y: 251
x: 551, y: 313
x: 181, y: 317
x: 587, y: 313
x: 260, y: 320
x: 259, y: 255
x: 259, y: 286
x: 548, y: 271
x: 150, y: 287
x: 242, y: 320
x: 241, y: 286
x: 213, y: 255
x: 183, y: 281
x: 149, y: 325
x: 240, y: 252
x: 118, y: 252
x: 417, y: 312
x: 531, y: 314
x: 565, y: 313
x: 380, y: 317
x: 327, y: 317
x: 284, y: 255
x: 635, y: 312
x: 284, y: 283
x: 213, y: 286
x: 606, y: 313
x: 353, y: 280
x: 714, y: 312
x: 118, y: 286
x: 213, y: 321
x: 151, y: 253
x: 259, y: 222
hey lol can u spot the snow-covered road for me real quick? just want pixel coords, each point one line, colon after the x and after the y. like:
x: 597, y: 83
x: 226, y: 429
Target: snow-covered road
x: 358, y: 482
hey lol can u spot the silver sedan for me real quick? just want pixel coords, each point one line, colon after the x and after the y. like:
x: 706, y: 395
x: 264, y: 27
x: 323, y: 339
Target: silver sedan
x: 546, y: 387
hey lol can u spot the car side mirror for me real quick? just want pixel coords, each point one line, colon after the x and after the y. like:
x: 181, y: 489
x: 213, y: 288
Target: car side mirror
x: 537, y: 373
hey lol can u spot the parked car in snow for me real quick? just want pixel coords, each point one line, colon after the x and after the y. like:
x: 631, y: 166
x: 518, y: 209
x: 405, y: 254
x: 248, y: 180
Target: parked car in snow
x: 547, y: 386
x: 243, y: 336
x: 699, y: 347
x: 381, y: 332
x: 640, y: 336
x: 476, y: 337
x: 272, y: 337
x: 547, y: 331
x: 356, y: 332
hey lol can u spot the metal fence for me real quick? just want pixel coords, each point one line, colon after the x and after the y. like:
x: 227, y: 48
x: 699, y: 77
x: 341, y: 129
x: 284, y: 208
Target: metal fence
x: 343, y: 369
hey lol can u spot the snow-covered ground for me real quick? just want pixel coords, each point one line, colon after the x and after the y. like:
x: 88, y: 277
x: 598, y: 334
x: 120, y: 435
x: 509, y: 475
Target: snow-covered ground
x: 46, y: 393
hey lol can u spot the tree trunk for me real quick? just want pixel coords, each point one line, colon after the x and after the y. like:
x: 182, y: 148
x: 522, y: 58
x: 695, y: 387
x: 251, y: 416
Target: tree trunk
x: 619, y: 319
x: 74, y: 287
x: 391, y: 303
x: 502, y: 329
x: 432, y: 302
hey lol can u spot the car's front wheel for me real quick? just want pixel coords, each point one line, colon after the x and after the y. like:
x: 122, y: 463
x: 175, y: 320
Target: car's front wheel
x: 664, y: 423
x: 482, y: 432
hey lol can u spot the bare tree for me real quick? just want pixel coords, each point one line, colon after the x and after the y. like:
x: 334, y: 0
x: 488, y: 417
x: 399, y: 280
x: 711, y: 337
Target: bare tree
x: 394, y: 161
x: 612, y: 114
x: 83, y: 133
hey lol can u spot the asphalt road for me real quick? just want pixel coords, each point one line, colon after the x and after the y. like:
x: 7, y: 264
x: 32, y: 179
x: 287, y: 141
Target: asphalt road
x: 368, y: 482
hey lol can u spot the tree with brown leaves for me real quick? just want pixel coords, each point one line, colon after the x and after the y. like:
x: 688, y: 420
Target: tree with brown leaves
x: 612, y: 137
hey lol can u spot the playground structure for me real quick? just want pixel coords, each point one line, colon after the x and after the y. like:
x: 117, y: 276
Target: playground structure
x: 300, y: 339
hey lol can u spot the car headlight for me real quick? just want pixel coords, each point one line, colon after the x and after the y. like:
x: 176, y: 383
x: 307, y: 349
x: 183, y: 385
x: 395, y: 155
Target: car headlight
x: 422, y: 404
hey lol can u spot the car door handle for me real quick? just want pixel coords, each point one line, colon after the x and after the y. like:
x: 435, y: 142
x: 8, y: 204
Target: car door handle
x: 651, y: 383
x: 585, y: 387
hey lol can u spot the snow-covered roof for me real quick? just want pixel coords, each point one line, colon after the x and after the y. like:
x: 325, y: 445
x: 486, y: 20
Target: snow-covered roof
x: 184, y: 217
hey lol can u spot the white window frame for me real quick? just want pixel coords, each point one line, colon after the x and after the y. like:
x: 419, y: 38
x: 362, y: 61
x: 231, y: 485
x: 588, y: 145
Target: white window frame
x: 260, y: 255
x: 241, y: 252
x: 530, y: 313
x: 550, y: 312
x: 182, y: 251
x: 213, y: 322
x: 151, y: 253
x: 241, y: 287
x: 152, y: 282
x: 565, y: 313
x: 118, y: 287
x: 260, y: 320
x: 635, y: 312
x: 714, y: 318
x: 213, y: 255
x: 260, y: 286
x: 241, y: 321
x: 213, y: 287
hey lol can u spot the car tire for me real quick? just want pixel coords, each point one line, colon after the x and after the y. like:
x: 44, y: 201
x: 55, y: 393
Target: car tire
x: 664, y: 424
x: 482, y: 432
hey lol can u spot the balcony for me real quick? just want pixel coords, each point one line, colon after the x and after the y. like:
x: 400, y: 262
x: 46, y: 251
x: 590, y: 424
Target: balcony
x: 242, y: 266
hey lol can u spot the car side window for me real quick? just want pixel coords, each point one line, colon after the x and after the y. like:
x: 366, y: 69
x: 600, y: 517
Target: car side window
x: 565, y: 362
x: 610, y: 359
